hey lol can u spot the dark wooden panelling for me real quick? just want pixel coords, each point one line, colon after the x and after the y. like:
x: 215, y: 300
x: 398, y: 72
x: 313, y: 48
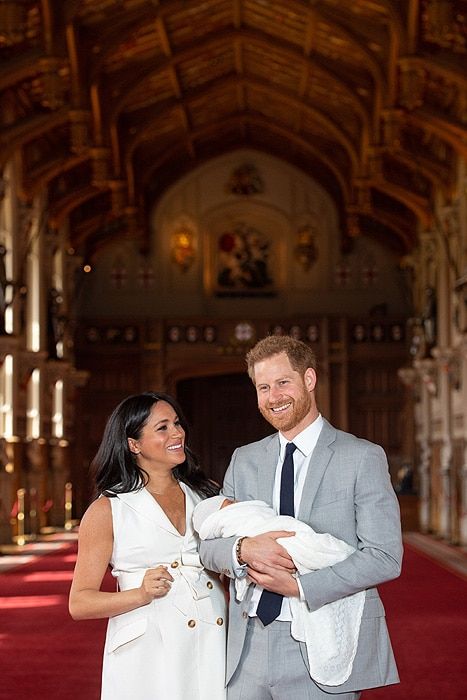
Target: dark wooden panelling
x: 112, y: 377
x: 376, y: 402
x: 223, y: 414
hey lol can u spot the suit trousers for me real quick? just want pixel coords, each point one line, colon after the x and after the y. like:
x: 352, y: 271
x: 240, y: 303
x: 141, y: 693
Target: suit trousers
x: 272, y: 668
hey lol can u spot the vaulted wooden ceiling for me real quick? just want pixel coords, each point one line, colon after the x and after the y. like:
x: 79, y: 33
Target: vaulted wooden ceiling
x: 106, y: 102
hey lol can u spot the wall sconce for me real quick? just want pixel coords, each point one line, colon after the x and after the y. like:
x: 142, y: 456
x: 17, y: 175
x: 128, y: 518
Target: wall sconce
x: 183, y: 250
x: 306, y: 252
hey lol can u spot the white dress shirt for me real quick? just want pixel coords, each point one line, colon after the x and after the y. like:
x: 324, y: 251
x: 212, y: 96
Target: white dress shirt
x: 305, y: 443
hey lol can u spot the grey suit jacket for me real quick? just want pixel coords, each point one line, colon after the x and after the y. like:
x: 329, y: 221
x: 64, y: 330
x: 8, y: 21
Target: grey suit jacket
x: 348, y: 493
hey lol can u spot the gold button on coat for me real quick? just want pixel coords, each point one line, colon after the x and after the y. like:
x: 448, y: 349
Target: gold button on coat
x: 209, y: 584
x: 220, y: 621
x: 174, y: 564
x: 191, y: 623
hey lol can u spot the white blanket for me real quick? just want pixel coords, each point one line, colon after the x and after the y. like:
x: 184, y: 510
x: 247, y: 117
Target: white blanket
x: 331, y: 632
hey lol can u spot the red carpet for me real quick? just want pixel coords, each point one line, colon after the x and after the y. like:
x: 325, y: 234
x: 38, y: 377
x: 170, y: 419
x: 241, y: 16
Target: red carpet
x: 426, y: 610
x: 44, y: 655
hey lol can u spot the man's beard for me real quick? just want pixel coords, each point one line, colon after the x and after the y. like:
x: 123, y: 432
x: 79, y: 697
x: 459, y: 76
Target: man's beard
x: 294, y: 415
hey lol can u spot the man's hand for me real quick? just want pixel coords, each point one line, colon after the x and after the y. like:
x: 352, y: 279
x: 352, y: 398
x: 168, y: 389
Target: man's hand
x: 263, y: 552
x: 277, y: 580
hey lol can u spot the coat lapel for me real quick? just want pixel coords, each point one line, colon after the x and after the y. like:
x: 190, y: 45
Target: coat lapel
x: 146, y: 505
x: 318, y: 464
x: 267, y: 469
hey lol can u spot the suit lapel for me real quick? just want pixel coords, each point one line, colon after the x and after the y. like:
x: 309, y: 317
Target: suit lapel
x: 316, y: 469
x: 267, y: 469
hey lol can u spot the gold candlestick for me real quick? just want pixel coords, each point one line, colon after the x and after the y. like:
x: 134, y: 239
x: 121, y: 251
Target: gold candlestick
x: 68, y: 505
x: 20, y: 538
x: 33, y: 514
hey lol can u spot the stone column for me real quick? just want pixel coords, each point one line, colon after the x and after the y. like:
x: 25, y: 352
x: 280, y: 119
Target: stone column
x: 58, y: 455
x: 423, y: 419
x: 463, y: 472
x: 36, y: 479
x: 7, y: 488
x: 443, y: 357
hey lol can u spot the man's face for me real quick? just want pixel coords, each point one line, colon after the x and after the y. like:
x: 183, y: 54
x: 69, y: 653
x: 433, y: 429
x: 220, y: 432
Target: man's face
x: 285, y: 398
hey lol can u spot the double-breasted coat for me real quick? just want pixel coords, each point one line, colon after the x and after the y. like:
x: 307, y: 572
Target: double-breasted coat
x: 174, y: 647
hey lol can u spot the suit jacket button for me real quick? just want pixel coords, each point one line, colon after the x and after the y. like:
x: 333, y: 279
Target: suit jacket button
x: 244, y: 615
x: 191, y: 623
x: 220, y: 621
x: 174, y: 564
x: 209, y: 585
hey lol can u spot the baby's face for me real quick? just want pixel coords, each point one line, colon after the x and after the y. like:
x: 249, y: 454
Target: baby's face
x: 226, y: 502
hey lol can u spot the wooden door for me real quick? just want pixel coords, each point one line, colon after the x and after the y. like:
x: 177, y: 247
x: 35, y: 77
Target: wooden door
x: 222, y: 413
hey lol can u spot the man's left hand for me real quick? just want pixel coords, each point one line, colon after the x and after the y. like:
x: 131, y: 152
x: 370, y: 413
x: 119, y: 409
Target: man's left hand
x: 276, y: 580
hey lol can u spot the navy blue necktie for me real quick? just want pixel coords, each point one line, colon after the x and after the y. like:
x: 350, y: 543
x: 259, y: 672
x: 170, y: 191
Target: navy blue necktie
x: 270, y: 603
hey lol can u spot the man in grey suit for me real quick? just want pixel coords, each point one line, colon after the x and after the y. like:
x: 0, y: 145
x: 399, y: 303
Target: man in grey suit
x: 336, y: 483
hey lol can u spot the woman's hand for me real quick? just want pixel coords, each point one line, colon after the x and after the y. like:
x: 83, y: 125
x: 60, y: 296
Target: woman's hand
x: 156, y: 583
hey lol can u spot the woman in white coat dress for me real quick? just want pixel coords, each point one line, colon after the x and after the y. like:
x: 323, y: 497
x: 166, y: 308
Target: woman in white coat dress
x: 166, y: 631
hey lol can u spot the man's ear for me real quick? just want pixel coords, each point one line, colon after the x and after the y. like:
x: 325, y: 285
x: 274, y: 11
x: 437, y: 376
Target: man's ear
x: 133, y: 446
x: 310, y: 379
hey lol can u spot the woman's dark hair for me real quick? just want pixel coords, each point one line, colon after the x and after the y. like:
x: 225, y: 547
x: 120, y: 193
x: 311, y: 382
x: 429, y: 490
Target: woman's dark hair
x: 115, y: 468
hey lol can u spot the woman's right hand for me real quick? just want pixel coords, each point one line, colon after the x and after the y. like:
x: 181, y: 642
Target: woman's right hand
x: 156, y: 583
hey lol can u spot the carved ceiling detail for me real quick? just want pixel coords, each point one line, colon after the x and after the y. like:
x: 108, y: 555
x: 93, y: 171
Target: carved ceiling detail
x: 109, y: 101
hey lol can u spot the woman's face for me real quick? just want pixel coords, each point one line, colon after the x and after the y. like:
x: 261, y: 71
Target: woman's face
x: 162, y: 440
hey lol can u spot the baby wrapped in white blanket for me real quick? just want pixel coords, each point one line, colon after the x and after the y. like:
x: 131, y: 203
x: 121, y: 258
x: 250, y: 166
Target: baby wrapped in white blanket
x: 331, y: 632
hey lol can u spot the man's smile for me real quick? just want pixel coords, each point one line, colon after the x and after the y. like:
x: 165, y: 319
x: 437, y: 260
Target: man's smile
x: 282, y: 407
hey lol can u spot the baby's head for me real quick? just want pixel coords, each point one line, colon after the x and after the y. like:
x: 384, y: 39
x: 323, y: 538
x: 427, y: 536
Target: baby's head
x: 206, y: 508
x: 226, y: 502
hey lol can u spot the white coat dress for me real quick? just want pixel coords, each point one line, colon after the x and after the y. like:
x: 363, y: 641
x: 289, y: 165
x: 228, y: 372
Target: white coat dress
x: 174, y: 647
